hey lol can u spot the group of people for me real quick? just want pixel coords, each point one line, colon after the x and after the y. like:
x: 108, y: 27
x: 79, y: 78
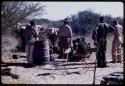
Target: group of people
x: 99, y: 36
x: 80, y: 50
x: 64, y: 38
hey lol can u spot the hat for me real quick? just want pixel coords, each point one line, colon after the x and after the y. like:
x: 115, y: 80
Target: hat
x: 101, y: 18
x: 32, y: 22
x: 67, y: 20
x: 83, y: 38
x: 115, y: 22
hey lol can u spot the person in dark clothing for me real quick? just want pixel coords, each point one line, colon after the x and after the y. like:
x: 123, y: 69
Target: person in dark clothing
x: 99, y: 37
x: 22, y: 34
x: 65, y: 38
x: 73, y: 54
x: 53, y: 40
x: 30, y: 37
x: 79, y: 52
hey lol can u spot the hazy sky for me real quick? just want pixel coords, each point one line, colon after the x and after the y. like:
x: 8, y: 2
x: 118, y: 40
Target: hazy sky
x: 60, y: 10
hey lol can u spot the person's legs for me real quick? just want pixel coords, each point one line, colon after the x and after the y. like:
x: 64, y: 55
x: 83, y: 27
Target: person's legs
x: 104, y: 53
x: 31, y: 54
x: 60, y: 53
x: 60, y: 48
x: 63, y: 46
x: 101, y: 51
x: 99, y: 61
x: 98, y: 56
x: 103, y: 56
x: 23, y: 46
x: 119, y: 53
x: 27, y: 49
x: 67, y: 57
x: 114, y: 50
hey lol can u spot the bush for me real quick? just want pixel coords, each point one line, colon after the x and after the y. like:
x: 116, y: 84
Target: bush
x: 8, y: 43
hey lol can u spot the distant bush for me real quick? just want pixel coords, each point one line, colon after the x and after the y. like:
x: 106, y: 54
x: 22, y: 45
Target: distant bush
x: 82, y: 23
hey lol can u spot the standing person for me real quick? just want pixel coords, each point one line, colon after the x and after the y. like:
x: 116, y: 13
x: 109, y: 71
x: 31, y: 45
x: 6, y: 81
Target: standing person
x: 20, y: 31
x: 99, y: 37
x: 22, y: 34
x: 53, y: 39
x: 116, y: 45
x: 65, y: 38
x: 31, y: 36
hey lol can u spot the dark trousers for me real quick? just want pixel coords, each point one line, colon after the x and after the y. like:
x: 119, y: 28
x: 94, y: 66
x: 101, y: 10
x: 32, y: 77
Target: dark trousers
x: 100, y: 55
x: 64, y: 44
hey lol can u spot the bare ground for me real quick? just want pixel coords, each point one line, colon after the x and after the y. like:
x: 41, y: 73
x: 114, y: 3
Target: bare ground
x: 65, y: 73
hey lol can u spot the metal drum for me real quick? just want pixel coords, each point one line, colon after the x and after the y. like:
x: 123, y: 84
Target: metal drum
x: 115, y: 78
x: 41, y: 52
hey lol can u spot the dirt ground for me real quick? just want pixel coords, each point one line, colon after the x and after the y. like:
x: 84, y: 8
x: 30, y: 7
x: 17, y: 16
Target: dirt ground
x: 63, y: 73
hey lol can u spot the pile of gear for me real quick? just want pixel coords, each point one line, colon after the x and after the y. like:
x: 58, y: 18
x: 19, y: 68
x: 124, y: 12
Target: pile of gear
x: 79, y: 51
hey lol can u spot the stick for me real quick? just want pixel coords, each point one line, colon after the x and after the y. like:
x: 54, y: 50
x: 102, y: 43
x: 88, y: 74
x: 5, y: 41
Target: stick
x: 94, y: 74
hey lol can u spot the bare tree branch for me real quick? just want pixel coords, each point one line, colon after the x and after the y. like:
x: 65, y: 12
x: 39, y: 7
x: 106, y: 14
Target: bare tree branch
x: 14, y: 11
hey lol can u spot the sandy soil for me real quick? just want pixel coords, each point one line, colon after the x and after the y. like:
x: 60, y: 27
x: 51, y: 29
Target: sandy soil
x: 63, y: 73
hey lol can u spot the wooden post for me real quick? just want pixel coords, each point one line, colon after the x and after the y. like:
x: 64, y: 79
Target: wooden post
x: 94, y: 74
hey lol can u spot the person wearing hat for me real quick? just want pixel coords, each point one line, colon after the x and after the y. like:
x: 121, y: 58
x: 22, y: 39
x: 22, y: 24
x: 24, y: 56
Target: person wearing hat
x: 30, y: 36
x: 65, y: 38
x: 116, y: 45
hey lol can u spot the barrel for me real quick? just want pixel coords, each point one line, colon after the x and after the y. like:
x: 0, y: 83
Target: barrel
x: 113, y: 78
x: 41, y: 53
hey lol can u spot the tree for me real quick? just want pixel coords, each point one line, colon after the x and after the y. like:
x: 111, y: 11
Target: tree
x: 84, y: 22
x: 14, y: 11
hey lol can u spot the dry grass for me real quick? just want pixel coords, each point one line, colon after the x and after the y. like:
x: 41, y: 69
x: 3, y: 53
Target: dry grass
x: 8, y: 43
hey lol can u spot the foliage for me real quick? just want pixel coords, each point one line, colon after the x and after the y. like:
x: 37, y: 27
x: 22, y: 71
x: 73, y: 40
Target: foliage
x: 82, y: 23
x: 14, y: 11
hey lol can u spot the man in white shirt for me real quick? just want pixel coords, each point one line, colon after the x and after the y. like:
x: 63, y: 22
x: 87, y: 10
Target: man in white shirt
x: 116, y: 45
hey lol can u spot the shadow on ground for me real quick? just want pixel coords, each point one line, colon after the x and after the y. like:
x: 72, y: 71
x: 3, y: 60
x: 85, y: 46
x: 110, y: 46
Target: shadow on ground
x: 25, y: 65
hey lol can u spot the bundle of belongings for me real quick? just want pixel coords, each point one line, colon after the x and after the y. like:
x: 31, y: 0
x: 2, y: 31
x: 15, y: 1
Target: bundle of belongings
x: 79, y: 51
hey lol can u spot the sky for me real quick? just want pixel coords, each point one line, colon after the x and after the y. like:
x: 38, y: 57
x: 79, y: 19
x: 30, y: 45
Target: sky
x: 60, y: 10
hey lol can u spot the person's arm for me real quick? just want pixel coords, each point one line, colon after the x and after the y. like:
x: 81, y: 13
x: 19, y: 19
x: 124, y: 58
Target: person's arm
x: 121, y: 30
x: 94, y: 34
x: 58, y: 35
x: 34, y: 33
x: 71, y: 34
x: 110, y: 28
x: 26, y: 34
